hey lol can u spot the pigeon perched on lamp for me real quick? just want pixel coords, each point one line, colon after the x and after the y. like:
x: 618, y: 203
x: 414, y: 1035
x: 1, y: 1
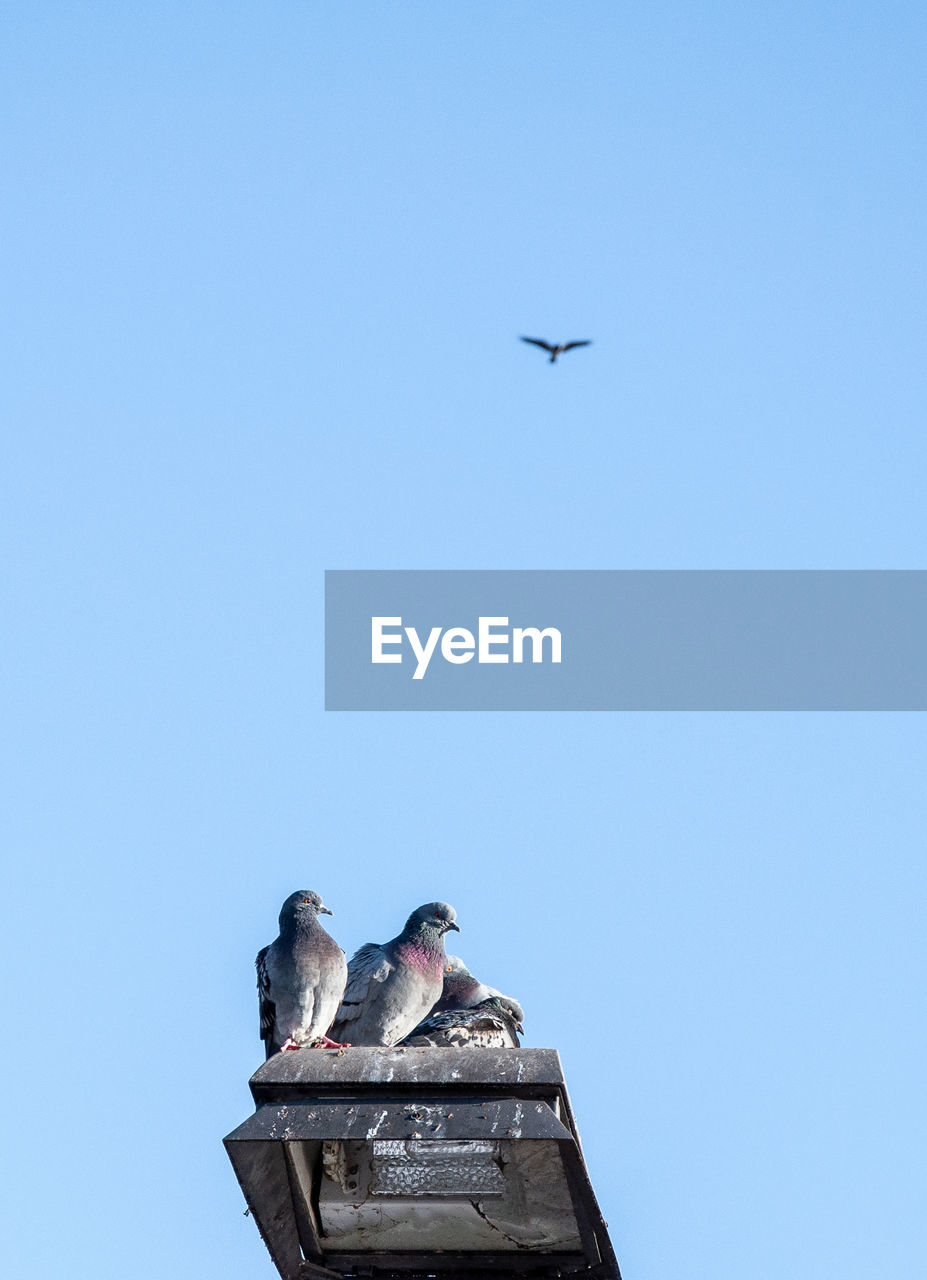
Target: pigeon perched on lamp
x: 463, y: 991
x: 301, y: 978
x: 469, y: 1014
x: 392, y: 986
x: 488, y: 1025
x: 557, y: 348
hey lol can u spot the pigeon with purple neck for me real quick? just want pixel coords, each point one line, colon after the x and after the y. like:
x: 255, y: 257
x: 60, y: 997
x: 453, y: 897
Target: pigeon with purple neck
x: 301, y: 978
x: 393, y: 985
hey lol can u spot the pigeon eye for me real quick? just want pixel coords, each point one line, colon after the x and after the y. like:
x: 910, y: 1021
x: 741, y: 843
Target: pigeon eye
x: 305, y: 899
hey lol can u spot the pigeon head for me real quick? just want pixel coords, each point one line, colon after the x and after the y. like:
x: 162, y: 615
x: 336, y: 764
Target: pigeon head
x: 300, y: 907
x: 507, y: 1008
x: 462, y: 991
x: 458, y: 980
x: 434, y: 919
x: 514, y: 1009
x: 460, y: 987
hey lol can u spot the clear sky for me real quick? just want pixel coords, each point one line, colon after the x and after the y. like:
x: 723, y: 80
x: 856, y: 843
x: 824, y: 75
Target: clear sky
x: 265, y: 265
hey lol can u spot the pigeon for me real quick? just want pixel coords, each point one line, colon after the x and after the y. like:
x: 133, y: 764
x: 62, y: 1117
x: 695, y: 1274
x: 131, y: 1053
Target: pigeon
x: 488, y: 1025
x: 301, y: 978
x: 463, y: 991
x: 393, y: 986
x: 558, y: 348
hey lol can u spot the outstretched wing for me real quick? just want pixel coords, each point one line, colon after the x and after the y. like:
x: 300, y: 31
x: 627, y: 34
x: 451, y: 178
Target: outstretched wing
x: 268, y: 1009
x: 539, y: 342
x: 585, y: 342
x: 367, y: 966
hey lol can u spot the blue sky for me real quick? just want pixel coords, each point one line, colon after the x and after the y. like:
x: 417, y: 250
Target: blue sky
x: 265, y: 270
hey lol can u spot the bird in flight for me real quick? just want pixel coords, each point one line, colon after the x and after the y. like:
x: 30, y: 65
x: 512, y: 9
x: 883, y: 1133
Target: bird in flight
x: 557, y: 349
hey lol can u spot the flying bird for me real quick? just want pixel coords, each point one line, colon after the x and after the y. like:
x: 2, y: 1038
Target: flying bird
x: 557, y: 348
x: 488, y: 1025
x: 301, y: 978
x: 392, y: 986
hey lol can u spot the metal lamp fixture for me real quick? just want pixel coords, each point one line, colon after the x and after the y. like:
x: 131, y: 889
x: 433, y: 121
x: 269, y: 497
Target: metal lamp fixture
x: 449, y: 1163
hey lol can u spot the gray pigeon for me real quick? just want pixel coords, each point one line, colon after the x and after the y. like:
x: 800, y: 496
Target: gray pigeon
x: 558, y: 348
x: 301, y: 978
x: 488, y: 1025
x: 463, y: 991
x: 391, y: 987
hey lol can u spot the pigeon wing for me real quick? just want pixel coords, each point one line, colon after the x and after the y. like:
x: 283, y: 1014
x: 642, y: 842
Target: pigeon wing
x: 584, y: 342
x: 369, y: 965
x: 268, y: 1010
x: 539, y: 342
x: 486, y: 1026
x: 488, y: 1032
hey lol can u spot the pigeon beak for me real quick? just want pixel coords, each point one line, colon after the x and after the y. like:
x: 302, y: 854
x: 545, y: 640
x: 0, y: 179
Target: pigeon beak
x: 324, y: 911
x: 455, y: 927
x: 519, y: 1027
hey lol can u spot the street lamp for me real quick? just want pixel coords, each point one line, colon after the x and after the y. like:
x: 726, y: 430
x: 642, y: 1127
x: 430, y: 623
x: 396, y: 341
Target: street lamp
x: 419, y: 1162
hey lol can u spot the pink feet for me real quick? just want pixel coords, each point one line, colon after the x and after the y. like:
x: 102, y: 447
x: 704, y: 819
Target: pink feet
x: 323, y: 1042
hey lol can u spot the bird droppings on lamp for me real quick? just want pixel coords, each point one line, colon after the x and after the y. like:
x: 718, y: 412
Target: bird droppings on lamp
x: 401, y: 1162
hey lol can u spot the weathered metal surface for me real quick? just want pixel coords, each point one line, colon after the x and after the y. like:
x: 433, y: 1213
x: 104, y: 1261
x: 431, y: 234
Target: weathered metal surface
x: 427, y: 1120
x: 315, y: 1271
x: 261, y: 1170
x: 314, y: 1071
x: 406, y: 1266
x: 592, y: 1226
x: 309, y: 1166
x: 455, y: 1266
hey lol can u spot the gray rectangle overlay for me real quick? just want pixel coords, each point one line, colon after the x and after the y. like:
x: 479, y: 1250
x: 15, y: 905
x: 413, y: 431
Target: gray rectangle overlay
x: 630, y: 640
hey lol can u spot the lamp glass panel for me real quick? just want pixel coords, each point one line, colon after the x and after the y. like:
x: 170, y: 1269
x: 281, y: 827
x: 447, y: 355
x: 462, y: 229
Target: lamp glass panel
x: 422, y: 1168
x: 385, y: 1196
